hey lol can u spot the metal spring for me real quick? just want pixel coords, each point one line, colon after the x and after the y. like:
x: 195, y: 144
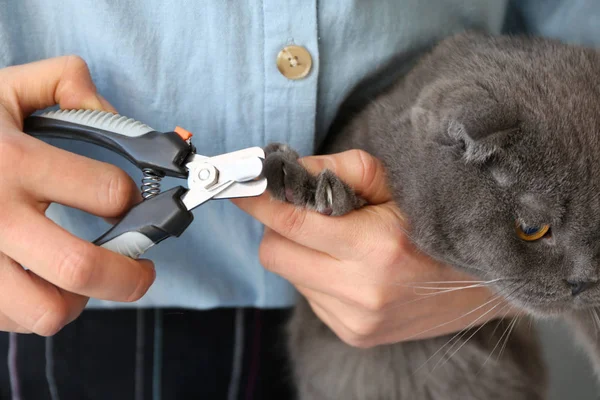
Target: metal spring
x: 150, y: 183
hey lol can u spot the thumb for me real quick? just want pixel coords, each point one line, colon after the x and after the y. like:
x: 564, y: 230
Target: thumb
x: 359, y: 169
x: 62, y: 80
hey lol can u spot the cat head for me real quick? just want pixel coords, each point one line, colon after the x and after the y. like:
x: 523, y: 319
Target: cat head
x: 507, y: 178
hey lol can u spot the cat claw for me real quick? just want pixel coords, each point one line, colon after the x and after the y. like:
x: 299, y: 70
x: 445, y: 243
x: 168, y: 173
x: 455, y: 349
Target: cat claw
x: 289, y: 181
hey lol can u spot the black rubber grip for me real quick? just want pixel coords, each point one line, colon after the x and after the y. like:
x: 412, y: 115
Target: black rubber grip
x: 165, y: 153
x: 157, y: 218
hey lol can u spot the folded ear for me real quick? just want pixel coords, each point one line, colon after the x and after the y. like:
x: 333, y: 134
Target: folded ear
x: 467, y: 116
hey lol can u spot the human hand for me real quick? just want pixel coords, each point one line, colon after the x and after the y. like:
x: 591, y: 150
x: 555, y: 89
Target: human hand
x: 360, y: 273
x: 63, y: 270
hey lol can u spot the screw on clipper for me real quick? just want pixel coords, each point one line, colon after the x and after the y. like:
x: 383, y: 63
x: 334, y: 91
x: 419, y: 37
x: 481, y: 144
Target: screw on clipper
x: 208, y: 175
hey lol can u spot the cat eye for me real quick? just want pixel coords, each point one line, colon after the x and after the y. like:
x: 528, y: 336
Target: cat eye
x: 532, y: 233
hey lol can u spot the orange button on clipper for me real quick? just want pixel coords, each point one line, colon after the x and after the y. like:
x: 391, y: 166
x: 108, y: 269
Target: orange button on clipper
x: 183, y: 133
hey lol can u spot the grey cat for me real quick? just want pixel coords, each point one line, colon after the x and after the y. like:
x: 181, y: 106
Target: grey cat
x: 490, y: 147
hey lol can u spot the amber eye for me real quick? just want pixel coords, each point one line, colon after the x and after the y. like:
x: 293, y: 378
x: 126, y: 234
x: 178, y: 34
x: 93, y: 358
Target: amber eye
x: 531, y: 233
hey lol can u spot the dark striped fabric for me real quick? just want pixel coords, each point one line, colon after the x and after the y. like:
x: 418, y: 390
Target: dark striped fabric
x: 228, y: 354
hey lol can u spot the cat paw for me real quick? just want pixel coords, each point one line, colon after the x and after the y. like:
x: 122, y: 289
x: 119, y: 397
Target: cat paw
x: 289, y: 181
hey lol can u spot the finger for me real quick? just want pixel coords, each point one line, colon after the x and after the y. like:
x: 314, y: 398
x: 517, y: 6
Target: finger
x: 34, y: 86
x: 298, y: 264
x: 71, y: 263
x: 365, y: 329
x: 34, y: 304
x: 340, y: 330
x: 75, y: 302
x: 374, y: 290
x: 351, y: 326
x: 49, y: 174
x: 360, y: 170
x: 351, y: 282
x: 346, y: 237
x: 8, y: 325
x: 341, y: 236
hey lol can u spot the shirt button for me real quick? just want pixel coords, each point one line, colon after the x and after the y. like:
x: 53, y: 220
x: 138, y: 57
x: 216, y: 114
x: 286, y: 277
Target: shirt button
x: 294, y: 62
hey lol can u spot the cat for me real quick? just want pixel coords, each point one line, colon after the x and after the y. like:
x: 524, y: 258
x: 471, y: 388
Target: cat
x: 488, y: 142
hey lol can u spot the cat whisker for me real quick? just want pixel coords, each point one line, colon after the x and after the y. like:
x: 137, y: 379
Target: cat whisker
x: 416, y: 284
x: 495, y: 297
x: 463, y: 332
x: 596, y: 319
x: 425, y: 296
x: 433, y: 291
x: 506, y: 333
x: 446, y: 289
x: 452, y: 282
x: 591, y: 314
x: 511, y: 327
x: 508, y: 308
x: 456, y: 335
x: 451, y: 321
x: 472, y: 283
x: 473, y: 334
x: 492, y: 335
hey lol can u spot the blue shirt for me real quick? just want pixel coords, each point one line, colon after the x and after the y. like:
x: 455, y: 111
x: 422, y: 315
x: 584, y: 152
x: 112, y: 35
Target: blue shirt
x: 210, y: 66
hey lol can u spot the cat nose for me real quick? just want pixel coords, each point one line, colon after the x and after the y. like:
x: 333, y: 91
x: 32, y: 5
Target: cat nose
x: 579, y: 286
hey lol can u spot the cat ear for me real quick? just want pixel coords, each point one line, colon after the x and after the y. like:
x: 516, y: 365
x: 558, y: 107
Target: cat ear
x: 467, y: 116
